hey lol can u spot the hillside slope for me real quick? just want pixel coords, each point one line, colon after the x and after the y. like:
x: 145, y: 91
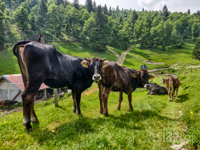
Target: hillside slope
x: 155, y: 122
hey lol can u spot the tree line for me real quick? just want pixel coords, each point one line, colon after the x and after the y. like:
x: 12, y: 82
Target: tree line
x: 95, y: 26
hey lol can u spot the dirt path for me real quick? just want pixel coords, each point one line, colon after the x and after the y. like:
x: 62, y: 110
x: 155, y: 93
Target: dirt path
x: 116, y: 55
x: 123, y: 56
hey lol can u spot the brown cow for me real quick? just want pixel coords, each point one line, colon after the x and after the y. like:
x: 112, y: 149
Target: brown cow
x: 172, y: 84
x: 112, y: 77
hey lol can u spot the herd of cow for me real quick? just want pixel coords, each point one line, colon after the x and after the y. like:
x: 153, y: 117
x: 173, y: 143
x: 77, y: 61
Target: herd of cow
x: 40, y: 63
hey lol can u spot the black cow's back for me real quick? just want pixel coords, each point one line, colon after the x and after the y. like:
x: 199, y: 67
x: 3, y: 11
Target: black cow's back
x: 57, y: 69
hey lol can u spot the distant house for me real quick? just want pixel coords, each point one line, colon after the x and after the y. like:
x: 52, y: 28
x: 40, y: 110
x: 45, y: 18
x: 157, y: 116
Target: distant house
x: 12, y: 86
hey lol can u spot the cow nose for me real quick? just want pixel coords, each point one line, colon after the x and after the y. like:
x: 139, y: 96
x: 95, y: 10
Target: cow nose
x: 96, y: 77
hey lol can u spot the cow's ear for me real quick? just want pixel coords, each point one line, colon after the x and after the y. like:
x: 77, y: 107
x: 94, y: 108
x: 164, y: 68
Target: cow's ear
x: 134, y: 75
x: 85, y: 63
x: 105, y: 63
x: 151, y: 77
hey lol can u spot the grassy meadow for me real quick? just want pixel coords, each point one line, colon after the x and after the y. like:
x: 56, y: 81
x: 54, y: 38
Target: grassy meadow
x: 154, y: 124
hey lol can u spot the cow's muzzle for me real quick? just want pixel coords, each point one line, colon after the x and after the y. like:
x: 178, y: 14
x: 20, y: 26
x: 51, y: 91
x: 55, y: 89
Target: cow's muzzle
x: 96, y: 77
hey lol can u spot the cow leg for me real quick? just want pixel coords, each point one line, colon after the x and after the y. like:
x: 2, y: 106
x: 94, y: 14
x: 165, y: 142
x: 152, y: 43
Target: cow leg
x: 78, y: 100
x: 105, y: 100
x: 120, y: 100
x: 74, y: 101
x: 33, y: 115
x: 173, y: 93
x: 176, y: 91
x: 130, y: 101
x: 28, y: 102
x: 169, y: 93
x: 100, y: 96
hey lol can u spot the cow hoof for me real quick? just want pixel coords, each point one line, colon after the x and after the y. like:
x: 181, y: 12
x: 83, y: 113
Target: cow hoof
x: 106, y: 115
x: 28, y: 127
x: 118, y: 108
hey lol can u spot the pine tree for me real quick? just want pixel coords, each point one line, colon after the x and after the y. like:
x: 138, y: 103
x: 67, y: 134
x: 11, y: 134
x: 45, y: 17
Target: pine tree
x: 117, y: 9
x: 134, y: 17
x: 196, y: 51
x: 105, y: 10
x: 21, y: 17
x: 2, y: 34
x: 94, y: 6
x: 76, y: 4
x: 41, y: 19
x: 32, y: 21
x: 110, y: 11
x: 99, y: 32
x: 165, y: 13
x: 88, y: 5
x: 188, y: 11
x: 143, y: 9
x: 58, y: 2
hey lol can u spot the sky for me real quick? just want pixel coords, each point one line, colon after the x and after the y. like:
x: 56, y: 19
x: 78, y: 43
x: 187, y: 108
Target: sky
x: 172, y: 5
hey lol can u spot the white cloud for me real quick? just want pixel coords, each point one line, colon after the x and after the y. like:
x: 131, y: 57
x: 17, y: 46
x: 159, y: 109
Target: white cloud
x: 172, y: 5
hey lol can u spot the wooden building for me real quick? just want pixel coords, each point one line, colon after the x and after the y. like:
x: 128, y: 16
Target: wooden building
x: 12, y: 86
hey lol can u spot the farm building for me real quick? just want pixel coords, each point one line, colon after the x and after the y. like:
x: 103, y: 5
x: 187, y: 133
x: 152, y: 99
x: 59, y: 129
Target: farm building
x: 12, y: 86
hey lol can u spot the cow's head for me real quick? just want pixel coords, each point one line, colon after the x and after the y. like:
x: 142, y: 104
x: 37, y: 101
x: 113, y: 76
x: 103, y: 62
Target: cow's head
x: 143, y: 77
x: 95, y: 65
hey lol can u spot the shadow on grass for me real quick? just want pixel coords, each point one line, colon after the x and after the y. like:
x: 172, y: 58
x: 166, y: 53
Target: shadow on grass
x: 84, y: 126
x: 182, y: 98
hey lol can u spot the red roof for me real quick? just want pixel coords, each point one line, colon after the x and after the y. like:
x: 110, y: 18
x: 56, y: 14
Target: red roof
x: 16, y: 79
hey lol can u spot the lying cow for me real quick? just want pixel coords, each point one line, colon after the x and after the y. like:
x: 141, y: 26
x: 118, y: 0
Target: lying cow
x: 112, y: 77
x: 172, y: 83
x: 155, y: 89
x: 43, y: 63
x: 7, y: 103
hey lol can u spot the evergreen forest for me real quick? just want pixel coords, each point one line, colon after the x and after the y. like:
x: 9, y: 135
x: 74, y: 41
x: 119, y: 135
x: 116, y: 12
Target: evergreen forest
x: 95, y: 26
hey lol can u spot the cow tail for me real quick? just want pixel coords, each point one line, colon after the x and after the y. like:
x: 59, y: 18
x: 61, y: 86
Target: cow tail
x: 19, y: 44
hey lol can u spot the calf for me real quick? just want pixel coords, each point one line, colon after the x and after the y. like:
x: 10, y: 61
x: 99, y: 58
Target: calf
x: 172, y: 83
x: 112, y: 77
x: 155, y: 89
x: 43, y: 63
x: 8, y: 103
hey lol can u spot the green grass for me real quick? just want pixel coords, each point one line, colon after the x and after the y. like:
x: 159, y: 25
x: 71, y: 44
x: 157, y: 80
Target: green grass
x: 60, y: 128
x: 154, y: 124
x: 75, y: 49
x: 8, y: 62
x: 176, y: 57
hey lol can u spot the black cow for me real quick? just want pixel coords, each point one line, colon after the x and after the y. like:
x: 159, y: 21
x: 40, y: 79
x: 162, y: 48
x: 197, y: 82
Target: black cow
x: 155, y: 89
x: 43, y: 63
x: 112, y: 77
